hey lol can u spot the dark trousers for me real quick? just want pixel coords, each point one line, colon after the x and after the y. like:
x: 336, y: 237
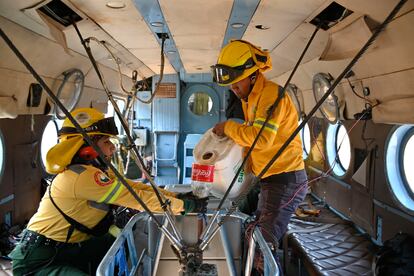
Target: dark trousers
x: 37, y: 258
x: 279, y: 197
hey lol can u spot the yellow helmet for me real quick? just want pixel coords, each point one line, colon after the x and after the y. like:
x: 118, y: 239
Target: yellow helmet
x: 92, y: 121
x: 238, y: 60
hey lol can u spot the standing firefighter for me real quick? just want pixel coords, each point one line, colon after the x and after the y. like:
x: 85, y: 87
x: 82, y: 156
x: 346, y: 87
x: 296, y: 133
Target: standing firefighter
x: 68, y: 235
x: 284, y: 185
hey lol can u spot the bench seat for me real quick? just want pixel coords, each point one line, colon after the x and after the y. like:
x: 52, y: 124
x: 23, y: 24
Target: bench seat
x: 330, y: 248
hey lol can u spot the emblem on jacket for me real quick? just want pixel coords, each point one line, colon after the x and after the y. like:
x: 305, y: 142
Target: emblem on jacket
x: 102, y: 179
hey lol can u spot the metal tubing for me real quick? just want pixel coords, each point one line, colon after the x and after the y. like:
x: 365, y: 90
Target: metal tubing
x: 227, y: 252
x: 173, y: 226
x: 270, y: 265
x: 326, y: 95
x: 250, y: 257
x: 204, y: 243
x: 275, y: 104
x: 334, y: 84
x: 136, y: 155
x: 84, y: 135
x: 270, y: 112
x: 210, y: 224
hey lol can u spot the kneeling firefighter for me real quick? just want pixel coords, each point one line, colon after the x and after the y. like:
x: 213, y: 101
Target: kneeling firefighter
x: 68, y: 235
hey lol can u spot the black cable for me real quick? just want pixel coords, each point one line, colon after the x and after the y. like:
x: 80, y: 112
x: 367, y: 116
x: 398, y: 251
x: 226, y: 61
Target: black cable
x: 77, y: 126
x: 270, y: 112
x: 164, y: 204
x: 316, y: 107
x: 335, y: 83
x: 353, y: 90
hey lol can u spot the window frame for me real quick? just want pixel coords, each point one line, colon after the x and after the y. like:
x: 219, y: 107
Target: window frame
x: 395, y: 176
x: 336, y: 145
x: 306, y: 153
x: 332, y: 152
x: 404, y: 141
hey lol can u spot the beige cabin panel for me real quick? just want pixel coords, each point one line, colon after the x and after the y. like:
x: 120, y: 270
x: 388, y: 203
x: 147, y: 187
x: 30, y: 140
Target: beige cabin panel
x: 198, y: 29
x: 377, y: 10
x: 152, y: 59
x: 285, y: 56
x: 392, y: 51
x: 281, y: 20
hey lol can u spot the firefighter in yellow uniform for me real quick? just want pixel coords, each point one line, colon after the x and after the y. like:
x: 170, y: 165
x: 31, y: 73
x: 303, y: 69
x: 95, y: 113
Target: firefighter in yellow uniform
x: 68, y: 233
x: 240, y: 65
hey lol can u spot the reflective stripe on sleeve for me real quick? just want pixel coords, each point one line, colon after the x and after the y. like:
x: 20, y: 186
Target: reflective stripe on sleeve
x: 112, y: 194
x: 270, y: 125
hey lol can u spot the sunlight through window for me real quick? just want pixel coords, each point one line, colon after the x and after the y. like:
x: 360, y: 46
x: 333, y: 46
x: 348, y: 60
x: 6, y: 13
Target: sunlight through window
x: 49, y: 139
x: 343, y: 147
x: 408, y: 157
x: 399, y: 158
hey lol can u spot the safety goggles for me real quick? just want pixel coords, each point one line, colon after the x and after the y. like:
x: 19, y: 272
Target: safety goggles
x: 224, y: 74
x: 105, y: 126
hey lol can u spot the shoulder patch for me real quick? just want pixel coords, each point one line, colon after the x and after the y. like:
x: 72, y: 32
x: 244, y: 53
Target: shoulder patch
x: 102, y: 179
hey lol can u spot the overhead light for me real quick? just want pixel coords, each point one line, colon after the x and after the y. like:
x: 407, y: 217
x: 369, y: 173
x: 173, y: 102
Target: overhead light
x: 157, y: 24
x: 237, y: 25
x: 199, y: 68
x: 171, y: 52
x: 115, y: 4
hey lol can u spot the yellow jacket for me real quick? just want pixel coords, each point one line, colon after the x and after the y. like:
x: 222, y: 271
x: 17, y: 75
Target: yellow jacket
x: 280, y: 126
x: 84, y: 193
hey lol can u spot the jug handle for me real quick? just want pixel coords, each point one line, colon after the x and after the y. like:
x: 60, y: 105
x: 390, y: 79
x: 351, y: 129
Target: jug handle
x: 218, y: 138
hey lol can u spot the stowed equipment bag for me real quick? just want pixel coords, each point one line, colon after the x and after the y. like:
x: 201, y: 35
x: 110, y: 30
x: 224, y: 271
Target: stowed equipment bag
x: 395, y: 257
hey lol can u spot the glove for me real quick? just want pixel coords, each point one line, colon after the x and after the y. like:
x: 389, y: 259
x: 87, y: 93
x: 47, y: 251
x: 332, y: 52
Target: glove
x: 196, y: 205
x: 188, y: 195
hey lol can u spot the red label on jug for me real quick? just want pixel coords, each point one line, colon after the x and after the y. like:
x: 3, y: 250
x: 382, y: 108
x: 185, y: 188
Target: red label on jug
x: 204, y: 173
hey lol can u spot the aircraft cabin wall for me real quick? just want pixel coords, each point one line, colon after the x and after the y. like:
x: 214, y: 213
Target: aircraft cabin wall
x: 20, y: 183
x: 384, y: 79
x: 362, y: 192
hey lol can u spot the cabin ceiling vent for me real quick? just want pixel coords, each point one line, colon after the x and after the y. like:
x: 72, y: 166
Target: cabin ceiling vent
x: 330, y: 16
x: 60, y: 12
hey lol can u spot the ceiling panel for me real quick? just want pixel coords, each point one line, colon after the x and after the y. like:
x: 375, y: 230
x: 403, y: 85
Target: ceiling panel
x: 125, y: 25
x: 285, y: 56
x: 152, y: 59
x: 281, y: 18
x: 198, y: 29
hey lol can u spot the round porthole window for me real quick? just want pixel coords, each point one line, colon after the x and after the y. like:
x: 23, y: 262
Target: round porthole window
x: 49, y: 139
x: 330, y: 107
x: 399, y: 157
x: 306, y: 140
x: 338, y: 149
x: 200, y: 103
x: 70, y: 91
x: 297, y: 98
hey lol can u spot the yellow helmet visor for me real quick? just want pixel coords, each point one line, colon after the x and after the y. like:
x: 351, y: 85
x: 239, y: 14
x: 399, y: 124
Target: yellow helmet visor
x: 224, y: 75
x: 105, y: 126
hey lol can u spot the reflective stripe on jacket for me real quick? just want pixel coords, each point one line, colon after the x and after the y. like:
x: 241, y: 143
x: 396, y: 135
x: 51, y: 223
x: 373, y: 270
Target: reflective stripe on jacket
x: 84, y: 193
x: 280, y: 126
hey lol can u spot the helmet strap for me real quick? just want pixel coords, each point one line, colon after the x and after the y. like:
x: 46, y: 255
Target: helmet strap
x: 252, y: 80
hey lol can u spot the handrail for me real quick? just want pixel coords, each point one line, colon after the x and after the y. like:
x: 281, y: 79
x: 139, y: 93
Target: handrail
x: 112, y: 257
x: 115, y: 254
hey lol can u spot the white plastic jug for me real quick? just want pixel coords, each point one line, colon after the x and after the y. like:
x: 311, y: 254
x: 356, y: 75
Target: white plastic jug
x: 226, y: 156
